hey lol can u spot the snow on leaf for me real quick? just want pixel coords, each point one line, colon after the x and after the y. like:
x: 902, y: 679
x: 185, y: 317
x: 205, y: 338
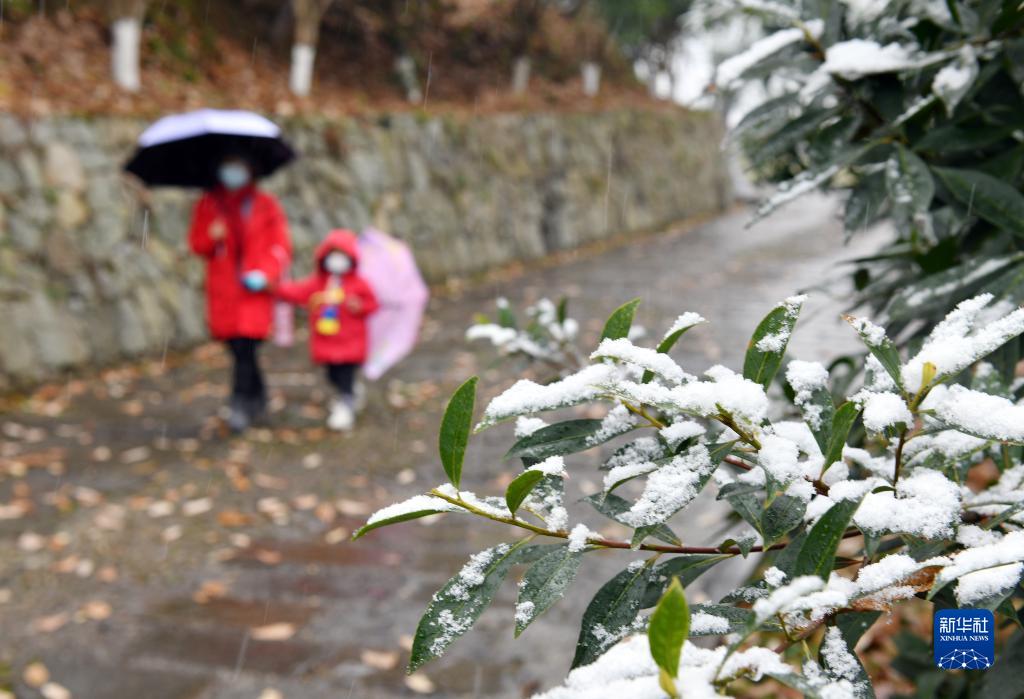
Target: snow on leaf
x: 731, y: 70
x: 1008, y: 550
x: 670, y: 488
x: 926, y: 504
x: 883, y: 410
x: 621, y: 349
x: 955, y: 344
x: 525, y: 396
x: 954, y: 80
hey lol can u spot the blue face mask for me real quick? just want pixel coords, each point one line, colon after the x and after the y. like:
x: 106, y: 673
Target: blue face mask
x: 233, y: 176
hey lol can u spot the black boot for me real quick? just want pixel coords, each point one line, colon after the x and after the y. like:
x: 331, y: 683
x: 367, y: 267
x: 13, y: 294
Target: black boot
x: 239, y: 418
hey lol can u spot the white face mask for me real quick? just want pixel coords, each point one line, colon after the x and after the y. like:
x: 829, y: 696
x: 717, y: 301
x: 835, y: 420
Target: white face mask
x: 337, y: 263
x: 233, y: 175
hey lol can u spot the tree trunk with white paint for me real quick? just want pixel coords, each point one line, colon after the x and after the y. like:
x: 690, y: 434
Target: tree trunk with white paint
x: 591, y: 78
x: 520, y: 74
x: 308, y: 14
x: 405, y: 67
x: 126, y: 37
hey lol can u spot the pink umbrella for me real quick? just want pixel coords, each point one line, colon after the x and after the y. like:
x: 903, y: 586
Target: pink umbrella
x: 390, y: 268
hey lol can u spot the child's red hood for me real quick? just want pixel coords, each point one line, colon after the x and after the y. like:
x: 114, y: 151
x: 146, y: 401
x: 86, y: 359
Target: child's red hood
x: 339, y: 239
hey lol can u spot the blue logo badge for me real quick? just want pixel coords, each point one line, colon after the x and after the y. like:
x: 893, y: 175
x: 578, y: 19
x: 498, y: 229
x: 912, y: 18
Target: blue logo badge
x: 964, y: 639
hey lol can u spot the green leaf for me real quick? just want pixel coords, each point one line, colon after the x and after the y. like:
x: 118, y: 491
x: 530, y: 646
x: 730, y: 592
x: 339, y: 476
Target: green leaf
x: 456, y: 606
x: 994, y: 200
x: 686, y: 567
x: 859, y: 676
x: 442, y: 506
x: 818, y: 411
x: 768, y: 344
x: 667, y: 344
x: 506, y: 318
x: 781, y: 517
x: 620, y: 321
x: 558, y: 439
x: 563, y: 310
x: 719, y: 450
x: 842, y: 422
x: 818, y: 551
x: 455, y: 427
x: 910, y: 184
x: 747, y: 506
x: 611, y: 613
x: 879, y: 344
x: 939, y: 291
x: 669, y: 628
x: 544, y: 584
x: 612, y: 506
x: 654, y: 465
x: 853, y: 625
x: 520, y: 487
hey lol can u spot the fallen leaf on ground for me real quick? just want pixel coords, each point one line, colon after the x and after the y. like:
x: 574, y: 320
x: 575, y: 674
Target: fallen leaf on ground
x: 269, y: 482
x: 15, y: 510
x: 306, y: 501
x: 67, y: 564
x: 353, y: 508
x: 87, y: 496
x: 172, y: 533
x: 271, y: 693
x: 49, y: 624
x: 52, y: 690
x: 197, y: 507
x: 379, y: 659
x: 211, y: 589
x: 35, y: 675
x: 420, y: 683
x: 31, y: 542
x: 84, y: 568
x: 270, y: 558
x: 96, y: 609
x: 111, y: 518
x: 274, y: 632
x: 337, y: 535
x: 233, y: 518
x: 160, y: 508
x: 325, y: 512
x: 312, y: 461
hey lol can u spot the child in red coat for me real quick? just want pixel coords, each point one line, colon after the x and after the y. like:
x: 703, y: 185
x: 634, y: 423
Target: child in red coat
x: 339, y: 302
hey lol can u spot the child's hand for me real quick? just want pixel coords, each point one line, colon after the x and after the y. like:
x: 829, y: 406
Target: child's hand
x: 218, y: 229
x: 354, y: 304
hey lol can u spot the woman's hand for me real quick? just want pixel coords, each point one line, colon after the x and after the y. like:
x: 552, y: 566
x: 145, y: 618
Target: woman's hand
x: 254, y: 280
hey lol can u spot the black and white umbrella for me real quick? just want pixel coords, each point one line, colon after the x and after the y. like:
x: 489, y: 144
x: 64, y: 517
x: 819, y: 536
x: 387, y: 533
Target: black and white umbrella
x: 184, y: 150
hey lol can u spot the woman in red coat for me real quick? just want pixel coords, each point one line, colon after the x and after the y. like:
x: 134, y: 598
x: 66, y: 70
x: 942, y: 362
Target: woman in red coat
x: 339, y: 302
x: 242, y: 234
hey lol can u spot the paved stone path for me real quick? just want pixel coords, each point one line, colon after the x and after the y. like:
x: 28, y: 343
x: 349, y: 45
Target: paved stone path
x: 145, y: 554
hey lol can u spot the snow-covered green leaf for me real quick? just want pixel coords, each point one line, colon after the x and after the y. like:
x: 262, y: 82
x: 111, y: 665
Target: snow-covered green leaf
x: 545, y: 582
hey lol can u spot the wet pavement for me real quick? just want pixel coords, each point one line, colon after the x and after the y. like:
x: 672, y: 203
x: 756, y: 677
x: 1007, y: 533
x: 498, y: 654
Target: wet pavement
x: 144, y: 553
